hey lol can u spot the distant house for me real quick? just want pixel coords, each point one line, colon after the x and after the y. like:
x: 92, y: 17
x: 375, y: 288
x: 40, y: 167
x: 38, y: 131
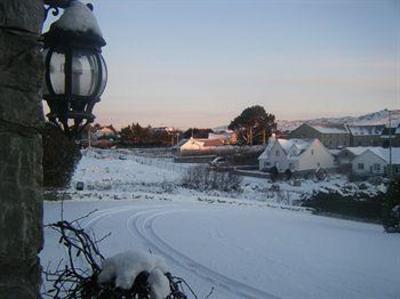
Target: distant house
x: 330, y: 137
x: 366, y: 135
x: 177, y: 147
x: 104, y: 137
x: 296, y: 155
x: 106, y: 132
x: 195, y: 145
x: 103, y: 143
x: 228, y: 136
x: 164, y: 129
x: 375, y: 161
x: 345, y: 157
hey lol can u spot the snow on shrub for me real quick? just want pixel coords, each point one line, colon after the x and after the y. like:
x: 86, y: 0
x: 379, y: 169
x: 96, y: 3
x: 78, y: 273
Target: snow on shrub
x: 123, y: 268
x: 203, y: 178
x: 86, y: 274
x: 391, y: 208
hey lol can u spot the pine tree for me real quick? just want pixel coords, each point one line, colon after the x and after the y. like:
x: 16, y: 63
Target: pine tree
x: 253, y: 125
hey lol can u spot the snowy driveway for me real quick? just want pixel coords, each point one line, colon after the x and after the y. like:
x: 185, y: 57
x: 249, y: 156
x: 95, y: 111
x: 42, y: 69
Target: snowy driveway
x: 247, y: 251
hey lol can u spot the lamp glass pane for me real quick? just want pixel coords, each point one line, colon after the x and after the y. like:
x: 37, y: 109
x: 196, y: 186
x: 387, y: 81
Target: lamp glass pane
x: 85, y: 71
x: 104, y: 78
x: 57, y: 75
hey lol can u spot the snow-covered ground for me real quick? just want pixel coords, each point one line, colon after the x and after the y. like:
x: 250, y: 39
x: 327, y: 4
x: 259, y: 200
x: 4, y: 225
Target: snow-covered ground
x: 125, y: 174
x: 248, y: 245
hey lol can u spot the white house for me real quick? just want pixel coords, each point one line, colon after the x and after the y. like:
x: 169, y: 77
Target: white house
x: 228, y: 136
x: 375, y: 161
x: 196, y: 144
x: 347, y: 155
x: 297, y: 155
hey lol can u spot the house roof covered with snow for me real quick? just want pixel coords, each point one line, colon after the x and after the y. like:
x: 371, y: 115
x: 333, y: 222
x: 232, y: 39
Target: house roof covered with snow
x: 204, y: 142
x: 107, y: 131
x: 357, y: 150
x: 330, y: 130
x: 398, y: 130
x: 374, y: 130
x: 384, y: 153
x: 293, y: 147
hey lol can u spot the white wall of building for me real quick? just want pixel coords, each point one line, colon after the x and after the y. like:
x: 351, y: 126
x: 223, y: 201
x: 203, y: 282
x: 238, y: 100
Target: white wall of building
x: 277, y: 157
x: 368, y: 163
x: 314, y: 157
x: 193, y: 145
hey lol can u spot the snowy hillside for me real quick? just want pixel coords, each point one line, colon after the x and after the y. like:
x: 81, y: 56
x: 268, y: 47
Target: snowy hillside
x: 376, y: 118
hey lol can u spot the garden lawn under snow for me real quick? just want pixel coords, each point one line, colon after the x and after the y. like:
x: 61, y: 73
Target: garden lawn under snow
x: 235, y: 246
x: 122, y: 174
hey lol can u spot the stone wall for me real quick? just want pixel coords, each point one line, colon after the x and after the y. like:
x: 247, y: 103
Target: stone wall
x: 20, y: 148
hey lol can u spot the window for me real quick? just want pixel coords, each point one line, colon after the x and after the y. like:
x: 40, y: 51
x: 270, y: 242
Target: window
x: 377, y: 167
x: 277, y: 153
x: 312, y: 152
x: 291, y: 166
x: 318, y: 164
x: 360, y: 165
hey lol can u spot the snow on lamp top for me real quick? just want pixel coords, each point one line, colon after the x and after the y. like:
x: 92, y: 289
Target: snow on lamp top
x: 78, y: 17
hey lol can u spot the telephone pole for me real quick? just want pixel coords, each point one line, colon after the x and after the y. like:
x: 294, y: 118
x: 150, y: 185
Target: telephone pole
x: 390, y: 145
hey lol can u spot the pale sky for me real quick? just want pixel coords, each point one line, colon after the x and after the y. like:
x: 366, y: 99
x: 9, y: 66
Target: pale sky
x: 200, y: 63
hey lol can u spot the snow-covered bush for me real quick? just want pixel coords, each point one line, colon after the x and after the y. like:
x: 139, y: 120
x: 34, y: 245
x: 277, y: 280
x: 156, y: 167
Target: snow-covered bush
x: 358, y: 205
x: 203, y: 178
x: 123, y: 268
x: 391, y: 207
x: 86, y: 274
x: 167, y: 187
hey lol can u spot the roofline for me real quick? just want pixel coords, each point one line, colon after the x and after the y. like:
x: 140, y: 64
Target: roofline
x: 368, y: 150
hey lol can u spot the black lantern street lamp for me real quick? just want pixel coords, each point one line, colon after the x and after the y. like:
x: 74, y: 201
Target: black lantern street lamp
x: 75, y: 70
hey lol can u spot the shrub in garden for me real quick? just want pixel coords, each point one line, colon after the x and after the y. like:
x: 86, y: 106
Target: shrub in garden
x: 288, y: 174
x: 369, y: 208
x: 274, y: 173
x: 391, y: 207
x: 203, y: 178
x: 86, y: 274
x: 60, y: 156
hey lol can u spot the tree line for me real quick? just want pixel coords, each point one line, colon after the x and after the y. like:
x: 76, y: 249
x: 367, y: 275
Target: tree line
x: 252, y: 126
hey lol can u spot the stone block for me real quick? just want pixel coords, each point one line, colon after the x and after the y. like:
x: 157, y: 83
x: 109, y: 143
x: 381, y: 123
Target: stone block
x: 23, y: 14
x: 20, y: 191
x: 21, y: 78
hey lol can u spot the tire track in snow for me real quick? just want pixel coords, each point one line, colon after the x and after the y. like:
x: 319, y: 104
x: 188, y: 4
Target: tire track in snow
x: 141, y: 224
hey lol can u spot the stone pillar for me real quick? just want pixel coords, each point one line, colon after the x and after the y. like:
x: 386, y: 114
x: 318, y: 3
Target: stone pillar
x: 20, y: 148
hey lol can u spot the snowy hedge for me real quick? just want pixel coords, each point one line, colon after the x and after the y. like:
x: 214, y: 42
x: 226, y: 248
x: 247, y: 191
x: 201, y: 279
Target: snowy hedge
x: 60, y: 156
x: 202, y: 178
